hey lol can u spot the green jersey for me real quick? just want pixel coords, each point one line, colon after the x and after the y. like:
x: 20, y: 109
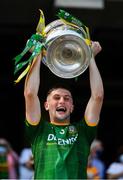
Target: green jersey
x: 60, y: 152
x: 3, y: 167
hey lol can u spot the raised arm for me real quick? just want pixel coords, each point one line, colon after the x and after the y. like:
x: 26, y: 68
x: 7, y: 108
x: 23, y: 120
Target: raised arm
x: 93, y: 109
x: 33, y: 108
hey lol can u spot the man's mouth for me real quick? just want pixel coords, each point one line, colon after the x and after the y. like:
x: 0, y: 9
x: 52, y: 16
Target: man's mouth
x: 61, y: 109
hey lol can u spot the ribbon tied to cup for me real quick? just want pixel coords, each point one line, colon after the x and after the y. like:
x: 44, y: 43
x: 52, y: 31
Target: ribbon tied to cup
x: 65, y: 46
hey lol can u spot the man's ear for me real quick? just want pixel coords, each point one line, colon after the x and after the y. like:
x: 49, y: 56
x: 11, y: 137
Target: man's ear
x: 72, y: 108
x: 46, y: 106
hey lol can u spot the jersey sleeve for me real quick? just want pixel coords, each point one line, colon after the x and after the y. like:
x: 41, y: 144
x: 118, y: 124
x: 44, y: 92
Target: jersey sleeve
x: 31, y: 131
x: 88, y: 132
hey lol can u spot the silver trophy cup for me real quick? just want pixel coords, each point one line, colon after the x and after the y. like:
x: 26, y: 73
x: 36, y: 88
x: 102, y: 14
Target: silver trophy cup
x: 67, y: 53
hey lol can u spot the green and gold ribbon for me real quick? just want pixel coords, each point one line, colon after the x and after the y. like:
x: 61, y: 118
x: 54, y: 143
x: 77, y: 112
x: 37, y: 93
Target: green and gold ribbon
x: 35, y: 45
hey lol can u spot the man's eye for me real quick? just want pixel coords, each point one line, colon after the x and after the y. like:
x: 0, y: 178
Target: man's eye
x: 66, y: 98
x: 56, y: 97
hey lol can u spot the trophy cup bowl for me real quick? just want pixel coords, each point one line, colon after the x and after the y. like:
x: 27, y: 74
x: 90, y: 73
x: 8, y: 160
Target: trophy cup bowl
x: 67, y: 53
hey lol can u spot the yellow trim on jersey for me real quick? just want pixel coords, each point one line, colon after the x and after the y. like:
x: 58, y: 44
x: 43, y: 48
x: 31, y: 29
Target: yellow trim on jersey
x: 29, y: 122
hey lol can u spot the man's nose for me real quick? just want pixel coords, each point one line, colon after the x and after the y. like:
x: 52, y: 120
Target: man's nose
x: 61, y: 100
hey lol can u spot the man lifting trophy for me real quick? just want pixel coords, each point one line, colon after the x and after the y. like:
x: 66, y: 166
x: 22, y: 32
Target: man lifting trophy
x: 60, y: 146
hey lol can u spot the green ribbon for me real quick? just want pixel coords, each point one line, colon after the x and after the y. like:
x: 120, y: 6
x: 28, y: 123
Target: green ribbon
x: 70, y: 18
x: 35, y: 42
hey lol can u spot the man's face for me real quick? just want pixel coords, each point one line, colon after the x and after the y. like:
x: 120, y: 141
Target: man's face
x: 59, y: 104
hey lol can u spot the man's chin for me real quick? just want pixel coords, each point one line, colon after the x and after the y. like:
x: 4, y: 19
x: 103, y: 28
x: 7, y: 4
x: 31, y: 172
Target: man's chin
x: 62, y: 118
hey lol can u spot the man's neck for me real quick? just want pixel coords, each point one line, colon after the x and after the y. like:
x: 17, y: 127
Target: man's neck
x: 59, y: 123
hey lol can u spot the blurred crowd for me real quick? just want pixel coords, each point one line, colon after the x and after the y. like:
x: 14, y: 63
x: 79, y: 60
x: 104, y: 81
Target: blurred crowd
x: 97, y: 169
x: 21, y: 166
x: 14, y: 166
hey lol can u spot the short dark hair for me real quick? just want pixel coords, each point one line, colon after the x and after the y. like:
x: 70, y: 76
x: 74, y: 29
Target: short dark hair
x: 59, y: 86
